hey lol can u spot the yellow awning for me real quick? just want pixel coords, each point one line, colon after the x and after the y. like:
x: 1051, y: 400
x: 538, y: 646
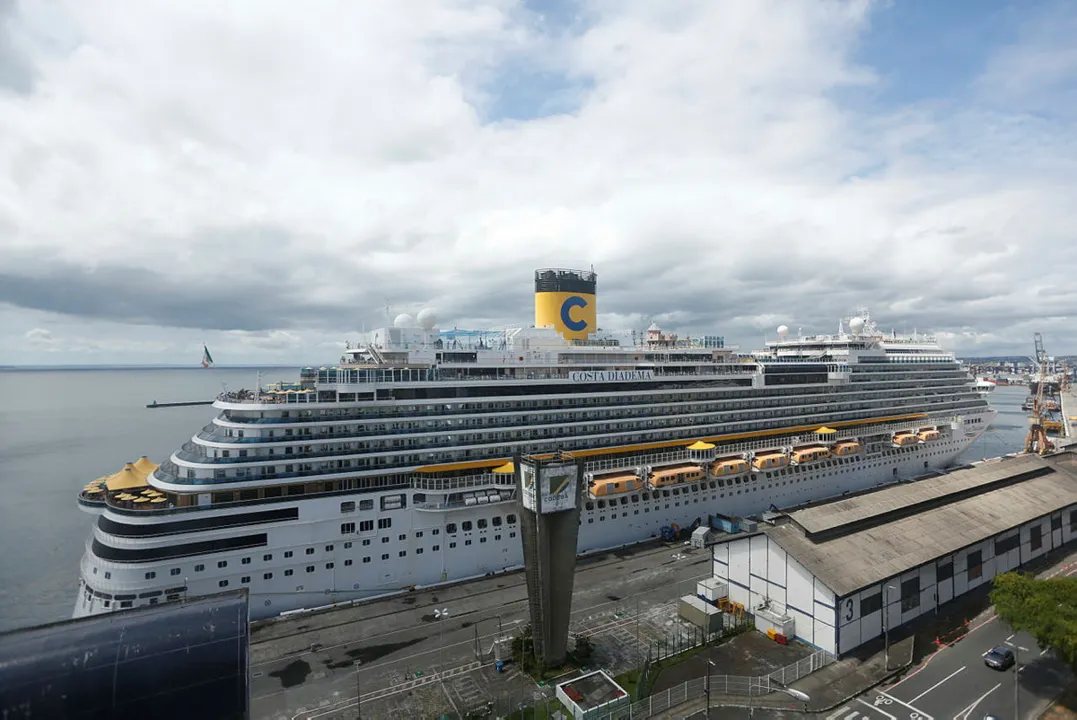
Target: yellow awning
x: 145, y: 466
x: 506, y: 469
x: 700, y: 445
x: 125, y: 479
x: 826, y: 431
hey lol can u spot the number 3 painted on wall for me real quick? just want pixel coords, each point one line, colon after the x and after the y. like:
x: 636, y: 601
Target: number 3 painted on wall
x: 849, y: 609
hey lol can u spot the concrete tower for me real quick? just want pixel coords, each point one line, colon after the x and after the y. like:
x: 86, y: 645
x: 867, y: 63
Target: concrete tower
x: 549, y: 488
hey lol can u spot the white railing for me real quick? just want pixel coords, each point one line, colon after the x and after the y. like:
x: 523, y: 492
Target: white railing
x: 736, y: 685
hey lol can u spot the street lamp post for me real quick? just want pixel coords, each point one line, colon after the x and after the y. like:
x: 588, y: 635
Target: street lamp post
x: 1016, y: 679
x: 797, y: 695
x: 439, y: 615
x: 358, y: 693
x: 707, y: 685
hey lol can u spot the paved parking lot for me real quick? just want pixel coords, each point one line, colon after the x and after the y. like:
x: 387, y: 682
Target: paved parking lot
x: 311, y: 672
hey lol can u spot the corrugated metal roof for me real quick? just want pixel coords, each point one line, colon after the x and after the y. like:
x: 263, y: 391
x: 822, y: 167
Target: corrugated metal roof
x: 865, y: 557
x: 833, y: 515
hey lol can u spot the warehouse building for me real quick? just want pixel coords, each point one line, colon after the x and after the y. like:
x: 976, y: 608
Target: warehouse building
x: 835, y: 574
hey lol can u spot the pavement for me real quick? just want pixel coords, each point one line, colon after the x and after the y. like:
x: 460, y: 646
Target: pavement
x: 955, y: 684
x: 414, y: 661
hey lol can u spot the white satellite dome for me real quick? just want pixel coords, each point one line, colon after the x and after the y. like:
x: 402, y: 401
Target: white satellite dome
x: 856, y: 325
x: 427, y: 318
x: 783, y: 330
x: 403, y: 320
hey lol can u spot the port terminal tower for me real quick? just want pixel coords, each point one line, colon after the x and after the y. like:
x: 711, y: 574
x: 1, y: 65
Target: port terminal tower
x: 548, y: 488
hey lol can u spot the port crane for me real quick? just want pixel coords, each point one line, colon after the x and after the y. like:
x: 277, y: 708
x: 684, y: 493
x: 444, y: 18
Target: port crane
x: 1036, y: 441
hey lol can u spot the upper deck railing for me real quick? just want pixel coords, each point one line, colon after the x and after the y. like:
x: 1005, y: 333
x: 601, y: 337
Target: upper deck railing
x: 355, y: 376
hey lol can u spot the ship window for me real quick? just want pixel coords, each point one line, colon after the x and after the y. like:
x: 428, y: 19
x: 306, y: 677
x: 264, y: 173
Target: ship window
x: 346, y: 507
x: 288, y: 553
x: 329, y: 548
x: 402, y: 537
x: 452, y: 545
x: 288, y: 572
x: 310, y: 551
x: 481, y: 523
x: 366, y: 543
x: 590, y: 505
x: 347, y: 545
x: 496, y: 521
x: 366, y: 504
x: 435, y: 531
x: 467, y: 542
x: 222, y: 563
x: 385, y: 539
x: 267, y: 558
x: 329, y: 566
x: 222, y: 583
x: 245, y: 579
x: 366, y: 525
x: 511, y: 519
x: 199, y: 567
x: 466, y: 525
x: 512, y: 534
x: 385, y: 523
x: 174, y: 571
x: 435, y: 548
x: 246, y: 561
x: 366, y: 559
x: 310, y: 568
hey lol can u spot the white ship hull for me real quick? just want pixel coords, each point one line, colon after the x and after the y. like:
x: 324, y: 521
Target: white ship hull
x: 417, y: 549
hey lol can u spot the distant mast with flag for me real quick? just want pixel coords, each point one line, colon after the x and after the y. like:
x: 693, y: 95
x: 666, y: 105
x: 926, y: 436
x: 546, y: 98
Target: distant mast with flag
x: 207, y: 359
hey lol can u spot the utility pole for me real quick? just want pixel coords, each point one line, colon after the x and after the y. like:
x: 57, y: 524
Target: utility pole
x: 637, y: 635
x: 358, y: 693
x: 1016, y: 683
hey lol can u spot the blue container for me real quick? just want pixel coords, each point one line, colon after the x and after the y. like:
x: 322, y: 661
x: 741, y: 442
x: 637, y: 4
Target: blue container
x: 500, y: 666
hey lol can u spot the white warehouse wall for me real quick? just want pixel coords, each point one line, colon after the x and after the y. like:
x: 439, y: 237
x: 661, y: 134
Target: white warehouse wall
x: 756, y: 568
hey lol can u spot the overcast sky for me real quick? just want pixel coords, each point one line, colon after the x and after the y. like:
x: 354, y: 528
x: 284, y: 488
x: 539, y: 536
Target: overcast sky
x: 266, y: 176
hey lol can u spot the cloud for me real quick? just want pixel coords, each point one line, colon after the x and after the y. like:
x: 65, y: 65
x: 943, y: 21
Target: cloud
x: 269, y: 181
x: 40, y: 337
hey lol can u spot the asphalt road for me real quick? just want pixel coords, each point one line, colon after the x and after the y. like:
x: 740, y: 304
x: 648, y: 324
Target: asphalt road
x: 955, y: 684
x: 402, y: 646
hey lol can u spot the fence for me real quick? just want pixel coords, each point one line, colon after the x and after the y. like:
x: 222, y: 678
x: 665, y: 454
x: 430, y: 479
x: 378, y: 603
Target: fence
x: 739, y: 685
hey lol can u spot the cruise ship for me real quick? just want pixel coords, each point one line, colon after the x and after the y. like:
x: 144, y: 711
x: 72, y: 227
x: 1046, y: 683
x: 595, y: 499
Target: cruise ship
x: 394, y: 468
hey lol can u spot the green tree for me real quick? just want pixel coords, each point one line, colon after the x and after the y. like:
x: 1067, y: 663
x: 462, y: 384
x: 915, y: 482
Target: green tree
x: 583, y: 651
x: 1045, y: 609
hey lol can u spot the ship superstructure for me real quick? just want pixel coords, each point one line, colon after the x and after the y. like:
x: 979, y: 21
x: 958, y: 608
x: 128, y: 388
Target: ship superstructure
x: 393, y: 468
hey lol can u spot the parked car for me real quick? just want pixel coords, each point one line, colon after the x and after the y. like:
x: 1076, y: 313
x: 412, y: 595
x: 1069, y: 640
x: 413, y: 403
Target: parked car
x: 999, y: 658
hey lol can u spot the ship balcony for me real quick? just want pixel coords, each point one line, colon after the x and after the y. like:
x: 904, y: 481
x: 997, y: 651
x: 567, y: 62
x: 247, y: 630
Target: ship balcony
x: 459, y: 501
x: 490, y: 481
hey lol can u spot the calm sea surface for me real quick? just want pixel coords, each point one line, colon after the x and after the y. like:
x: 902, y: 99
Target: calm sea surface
x: 62, y: 428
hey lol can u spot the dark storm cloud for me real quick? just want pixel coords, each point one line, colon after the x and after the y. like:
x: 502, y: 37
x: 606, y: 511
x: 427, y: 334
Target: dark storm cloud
x: 267, y: 280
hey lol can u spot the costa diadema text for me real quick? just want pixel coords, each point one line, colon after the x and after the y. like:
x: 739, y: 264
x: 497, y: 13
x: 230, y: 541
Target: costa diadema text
x: 393, y: 469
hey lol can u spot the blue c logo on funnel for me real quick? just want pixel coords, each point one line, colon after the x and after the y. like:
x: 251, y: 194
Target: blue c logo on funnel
x: 566, y: 313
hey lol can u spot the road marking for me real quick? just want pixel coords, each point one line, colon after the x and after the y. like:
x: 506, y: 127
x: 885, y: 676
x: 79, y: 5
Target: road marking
x: 834, y: 715
x: 940, y: 682
x: 1011, y: 637
x: 964, y: 714
x: 876, y: 708
x: 920, y: 714
x: 1044, y: 651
